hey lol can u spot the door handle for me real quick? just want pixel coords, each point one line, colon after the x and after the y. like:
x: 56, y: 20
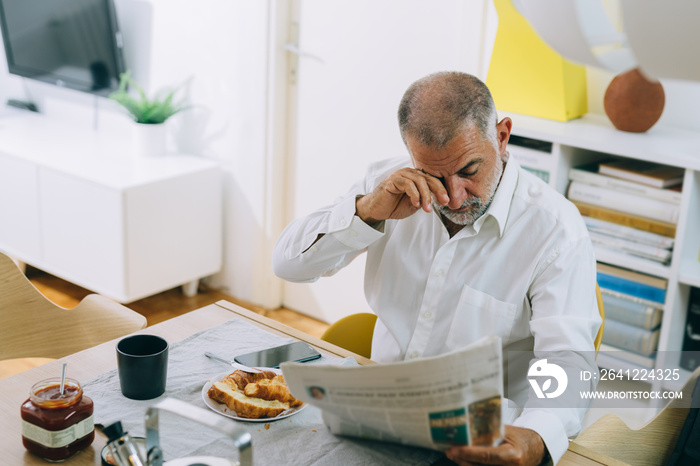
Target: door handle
x: 294, y: 48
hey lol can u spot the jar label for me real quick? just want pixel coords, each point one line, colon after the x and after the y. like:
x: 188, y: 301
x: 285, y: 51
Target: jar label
x: 57, y: 438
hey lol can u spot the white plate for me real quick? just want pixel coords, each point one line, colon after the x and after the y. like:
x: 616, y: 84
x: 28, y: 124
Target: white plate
x: 226, y: 411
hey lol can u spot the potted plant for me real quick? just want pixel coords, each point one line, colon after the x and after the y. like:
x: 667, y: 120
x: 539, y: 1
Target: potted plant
x: 150, y: 114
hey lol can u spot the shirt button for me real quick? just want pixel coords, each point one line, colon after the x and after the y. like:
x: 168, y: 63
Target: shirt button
x: 439, y: 272
x: 353, y: 233
x: 413, y: 355
x: 343, y: 222
x: 427, y: 314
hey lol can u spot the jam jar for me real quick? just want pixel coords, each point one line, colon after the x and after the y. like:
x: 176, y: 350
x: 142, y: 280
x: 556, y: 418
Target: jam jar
x: 55, y: 426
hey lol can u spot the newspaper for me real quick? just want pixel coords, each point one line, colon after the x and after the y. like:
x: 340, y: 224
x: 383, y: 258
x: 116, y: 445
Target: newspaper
x: 435, y: 402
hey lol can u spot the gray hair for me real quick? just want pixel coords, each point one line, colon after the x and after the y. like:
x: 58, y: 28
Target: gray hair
x: 435, y: 108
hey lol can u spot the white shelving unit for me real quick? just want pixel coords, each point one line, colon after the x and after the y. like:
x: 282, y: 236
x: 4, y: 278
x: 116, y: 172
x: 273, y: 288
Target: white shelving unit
x: 76, y: 204
x: 592, y: 138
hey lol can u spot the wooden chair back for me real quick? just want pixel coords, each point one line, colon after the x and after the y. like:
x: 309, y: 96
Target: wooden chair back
x: 650, y: 445
x: 33, y: 326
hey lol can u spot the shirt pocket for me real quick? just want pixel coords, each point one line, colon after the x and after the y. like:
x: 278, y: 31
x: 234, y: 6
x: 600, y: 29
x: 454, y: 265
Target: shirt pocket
x: 478, y: 315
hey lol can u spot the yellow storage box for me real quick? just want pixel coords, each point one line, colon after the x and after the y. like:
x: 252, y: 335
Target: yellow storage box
x: 526, y: 76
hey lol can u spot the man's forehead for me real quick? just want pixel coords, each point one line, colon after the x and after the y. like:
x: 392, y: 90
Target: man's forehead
x: 464, y: 147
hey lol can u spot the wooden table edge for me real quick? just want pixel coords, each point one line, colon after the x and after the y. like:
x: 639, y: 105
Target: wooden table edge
x: 576, y: 450
x: 279, y: 328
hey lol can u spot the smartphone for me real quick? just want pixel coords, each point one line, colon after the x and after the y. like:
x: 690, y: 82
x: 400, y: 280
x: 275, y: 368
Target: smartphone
x: 273, y: 357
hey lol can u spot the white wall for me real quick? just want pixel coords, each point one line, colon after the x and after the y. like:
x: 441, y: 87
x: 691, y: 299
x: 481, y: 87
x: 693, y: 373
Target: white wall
x: 368, y: 53
x: 222, y: 45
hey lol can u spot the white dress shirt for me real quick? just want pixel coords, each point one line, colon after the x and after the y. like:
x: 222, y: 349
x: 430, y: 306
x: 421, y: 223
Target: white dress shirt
x: 524, y: 271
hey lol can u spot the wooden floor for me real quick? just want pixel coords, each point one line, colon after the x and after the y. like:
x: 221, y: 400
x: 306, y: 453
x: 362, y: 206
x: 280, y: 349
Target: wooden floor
x: 168, y: 304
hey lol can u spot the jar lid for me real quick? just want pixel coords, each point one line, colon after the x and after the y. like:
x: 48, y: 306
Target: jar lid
x: 108, y: 459
x: 46, y: 393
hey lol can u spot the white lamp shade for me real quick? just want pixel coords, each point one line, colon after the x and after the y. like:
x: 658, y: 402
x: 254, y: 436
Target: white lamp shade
x: 580, y: 31
x: 660, y: 37
x: 665, y: 36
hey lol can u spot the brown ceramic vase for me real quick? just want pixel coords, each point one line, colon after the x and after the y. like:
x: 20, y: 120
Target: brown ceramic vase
x: 633, y: 102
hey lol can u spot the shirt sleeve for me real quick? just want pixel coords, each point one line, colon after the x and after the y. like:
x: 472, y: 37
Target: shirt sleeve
x: 301, y: 256
x: 565, y: 320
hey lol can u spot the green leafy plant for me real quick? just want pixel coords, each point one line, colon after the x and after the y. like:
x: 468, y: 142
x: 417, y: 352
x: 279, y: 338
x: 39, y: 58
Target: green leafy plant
x: 142, y: 109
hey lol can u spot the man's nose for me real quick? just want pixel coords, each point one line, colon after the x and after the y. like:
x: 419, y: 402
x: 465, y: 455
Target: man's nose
x: 457, y: 192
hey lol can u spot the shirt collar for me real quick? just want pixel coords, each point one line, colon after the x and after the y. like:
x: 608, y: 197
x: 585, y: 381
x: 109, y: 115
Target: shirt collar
x: 500, y: 206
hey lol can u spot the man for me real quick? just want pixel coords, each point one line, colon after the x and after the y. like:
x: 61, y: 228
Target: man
x: 462, y: 243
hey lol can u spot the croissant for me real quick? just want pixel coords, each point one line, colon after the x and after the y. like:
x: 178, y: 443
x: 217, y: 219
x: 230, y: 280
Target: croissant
x: 241, y: 379
x: 272, y: 389
x: 225, y: 391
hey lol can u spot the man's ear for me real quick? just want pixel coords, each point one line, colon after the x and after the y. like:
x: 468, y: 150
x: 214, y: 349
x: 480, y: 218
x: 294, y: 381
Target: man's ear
x: 503, y: 128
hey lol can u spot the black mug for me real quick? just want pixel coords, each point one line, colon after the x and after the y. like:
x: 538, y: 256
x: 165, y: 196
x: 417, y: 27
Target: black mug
x: 143, y: 366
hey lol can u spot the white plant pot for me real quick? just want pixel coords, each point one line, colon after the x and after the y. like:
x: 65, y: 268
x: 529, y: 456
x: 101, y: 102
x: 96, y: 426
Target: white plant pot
x: 149, y: 140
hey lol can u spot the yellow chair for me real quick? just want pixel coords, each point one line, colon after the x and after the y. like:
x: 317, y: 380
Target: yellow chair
x: 354, y: 333
x: 599, y: 337
x: 31, y: 326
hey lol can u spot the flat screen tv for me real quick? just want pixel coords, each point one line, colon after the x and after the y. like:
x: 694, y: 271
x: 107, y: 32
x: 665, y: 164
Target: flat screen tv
x: 70, y: 43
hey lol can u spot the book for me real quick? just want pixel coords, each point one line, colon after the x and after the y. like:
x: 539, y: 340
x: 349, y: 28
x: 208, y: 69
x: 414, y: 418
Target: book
x: 690, y: 356
x: 626, y: 219
x: 631, y: 338
x: 630, y: 247
x: 632, y: 283
x: 530, y: 143
x: 628, y: 297
x: 624, y: 202
x: 627, y: 274
x: 589, y: 174
x: 628, y: 233
x: 541, y: 174
x: 633, y: 313
x: 613, y: 256
x: 612, y: 358
x: 641, y: 171
x: 533, y: 155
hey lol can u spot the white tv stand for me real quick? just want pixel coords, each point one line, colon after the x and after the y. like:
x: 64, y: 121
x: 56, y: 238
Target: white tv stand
x: 74, y: 203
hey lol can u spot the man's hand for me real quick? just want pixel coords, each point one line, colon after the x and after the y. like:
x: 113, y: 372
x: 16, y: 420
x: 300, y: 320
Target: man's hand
x: 520, y: 447
x: 400, y: 195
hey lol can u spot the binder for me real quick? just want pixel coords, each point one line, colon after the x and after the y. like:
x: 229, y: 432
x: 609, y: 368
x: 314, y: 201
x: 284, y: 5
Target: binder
x: 690, y: 356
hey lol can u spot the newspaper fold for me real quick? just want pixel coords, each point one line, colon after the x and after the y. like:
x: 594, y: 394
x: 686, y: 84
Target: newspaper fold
x: 434, y: 402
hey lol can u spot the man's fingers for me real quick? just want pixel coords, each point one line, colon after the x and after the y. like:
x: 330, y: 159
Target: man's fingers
x: 520, y: 446
x: 400, y: 195
x: 433, y: 186
x: 502, y: 454
x: 412, y: 191
x: 420, y: 187
x: 438, y: 189
x: 424, y: 189
x: 413, y: 187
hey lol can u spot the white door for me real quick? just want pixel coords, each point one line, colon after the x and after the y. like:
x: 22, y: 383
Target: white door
x: 357, y: 59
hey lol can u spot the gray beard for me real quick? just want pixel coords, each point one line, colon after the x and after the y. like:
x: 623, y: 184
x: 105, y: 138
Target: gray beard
x: 468, y: 217
x: 479, y: 208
